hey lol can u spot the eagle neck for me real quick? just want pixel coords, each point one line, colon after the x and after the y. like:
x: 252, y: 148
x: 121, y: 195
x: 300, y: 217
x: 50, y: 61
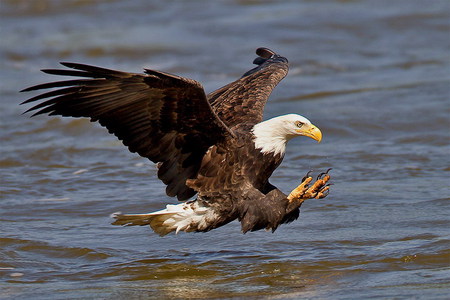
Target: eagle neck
x: 270, y: 137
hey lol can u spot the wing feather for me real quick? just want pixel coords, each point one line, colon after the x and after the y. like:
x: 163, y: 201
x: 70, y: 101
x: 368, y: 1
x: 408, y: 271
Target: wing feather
x: 162, y: 117
x: 243, y: 100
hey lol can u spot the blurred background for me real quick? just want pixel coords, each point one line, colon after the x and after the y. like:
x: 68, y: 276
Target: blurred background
x: 373, y: 75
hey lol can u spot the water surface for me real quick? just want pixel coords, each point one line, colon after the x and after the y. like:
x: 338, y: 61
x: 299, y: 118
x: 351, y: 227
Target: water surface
x: 374, y: 76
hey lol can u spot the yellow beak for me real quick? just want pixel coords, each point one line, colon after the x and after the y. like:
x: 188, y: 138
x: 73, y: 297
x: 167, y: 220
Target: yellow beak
x: 311, y: 131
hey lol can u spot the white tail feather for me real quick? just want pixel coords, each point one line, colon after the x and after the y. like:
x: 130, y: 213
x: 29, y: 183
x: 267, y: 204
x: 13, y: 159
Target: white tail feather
x: 188, y: 217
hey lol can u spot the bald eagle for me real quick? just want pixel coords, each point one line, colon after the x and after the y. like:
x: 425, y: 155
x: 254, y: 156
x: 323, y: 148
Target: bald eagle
x: 214, y: 146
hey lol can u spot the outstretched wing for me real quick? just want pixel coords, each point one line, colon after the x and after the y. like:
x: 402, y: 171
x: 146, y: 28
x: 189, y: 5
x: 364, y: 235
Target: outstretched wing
x: 243, y: 100
x: 162, y: 117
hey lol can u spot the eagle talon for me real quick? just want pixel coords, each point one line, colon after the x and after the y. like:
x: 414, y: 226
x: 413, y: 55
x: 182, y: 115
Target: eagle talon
x: 318, y: 190
x: 307, y: 175
x: 323, y: 193
x: 321, y: 175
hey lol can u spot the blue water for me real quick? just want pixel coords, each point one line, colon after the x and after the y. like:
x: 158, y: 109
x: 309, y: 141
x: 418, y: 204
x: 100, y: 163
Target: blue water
x: 374, y: 76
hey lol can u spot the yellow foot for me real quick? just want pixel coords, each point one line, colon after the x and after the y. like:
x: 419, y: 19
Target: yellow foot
x: 305, y: 191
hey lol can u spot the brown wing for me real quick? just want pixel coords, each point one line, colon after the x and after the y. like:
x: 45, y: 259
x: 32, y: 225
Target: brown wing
x: 163, y: 117
x: 243, y: 100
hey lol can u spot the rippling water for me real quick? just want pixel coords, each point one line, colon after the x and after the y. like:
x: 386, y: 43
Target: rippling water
x: 373, y: 75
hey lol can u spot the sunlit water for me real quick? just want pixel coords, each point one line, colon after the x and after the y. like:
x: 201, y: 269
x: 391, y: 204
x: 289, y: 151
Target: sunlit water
x: 373, y: 75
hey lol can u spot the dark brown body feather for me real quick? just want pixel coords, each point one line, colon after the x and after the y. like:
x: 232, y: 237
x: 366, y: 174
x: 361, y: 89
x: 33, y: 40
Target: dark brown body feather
x: 239, y: 187
x: 202, y: 144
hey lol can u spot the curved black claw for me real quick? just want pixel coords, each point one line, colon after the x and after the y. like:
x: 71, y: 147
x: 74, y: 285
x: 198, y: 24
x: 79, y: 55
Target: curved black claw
x: 320, y: 176
x: 324, y: 194
x: 324, y: 191
x: 307, y: 175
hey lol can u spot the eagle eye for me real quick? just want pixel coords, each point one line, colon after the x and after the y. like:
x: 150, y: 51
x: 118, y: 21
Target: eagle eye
x: 298, y: 124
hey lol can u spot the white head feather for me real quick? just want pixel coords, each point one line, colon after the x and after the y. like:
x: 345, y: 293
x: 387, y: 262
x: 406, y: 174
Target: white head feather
x: 271, y: 136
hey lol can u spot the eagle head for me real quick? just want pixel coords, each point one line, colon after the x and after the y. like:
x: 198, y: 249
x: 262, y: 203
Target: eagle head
x: 272, y: 135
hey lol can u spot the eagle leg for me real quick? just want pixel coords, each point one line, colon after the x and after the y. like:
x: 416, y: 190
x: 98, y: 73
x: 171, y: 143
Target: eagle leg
x: 299, y: 191
x: 319, y: 189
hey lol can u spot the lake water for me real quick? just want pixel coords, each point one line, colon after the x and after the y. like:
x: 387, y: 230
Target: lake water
x: 373, y: 75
